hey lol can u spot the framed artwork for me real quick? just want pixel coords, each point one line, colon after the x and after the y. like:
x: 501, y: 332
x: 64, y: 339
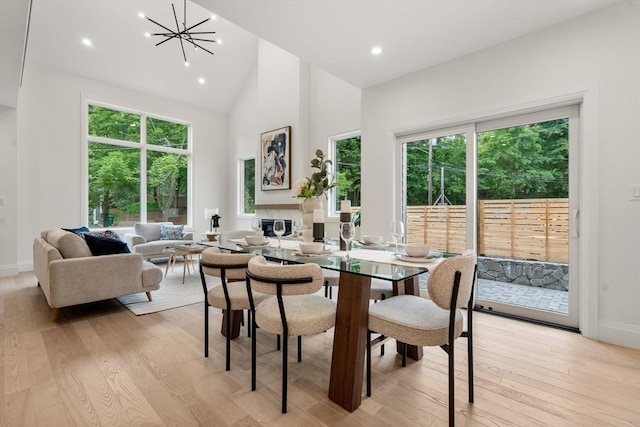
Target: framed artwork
x: 275, y: 148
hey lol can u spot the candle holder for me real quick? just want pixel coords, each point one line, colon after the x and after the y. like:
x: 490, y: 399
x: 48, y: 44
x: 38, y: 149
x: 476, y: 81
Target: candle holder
x: 344, y: 217
x: 318, y: 231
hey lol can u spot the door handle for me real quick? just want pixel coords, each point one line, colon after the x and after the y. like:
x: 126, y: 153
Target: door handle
x: 575, y: 230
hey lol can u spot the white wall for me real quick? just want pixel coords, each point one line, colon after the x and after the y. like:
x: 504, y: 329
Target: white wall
x: 287, y: 91
x: 596, y: 57
x: 50, y: 176
x: 8, y: 190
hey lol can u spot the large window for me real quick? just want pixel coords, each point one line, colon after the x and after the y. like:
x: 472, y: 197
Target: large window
x: 138, y: 168
x: 345, y: 154
x: 247, y: 186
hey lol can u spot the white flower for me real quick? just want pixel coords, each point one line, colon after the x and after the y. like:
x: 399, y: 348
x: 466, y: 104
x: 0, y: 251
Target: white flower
x: 300, y: 186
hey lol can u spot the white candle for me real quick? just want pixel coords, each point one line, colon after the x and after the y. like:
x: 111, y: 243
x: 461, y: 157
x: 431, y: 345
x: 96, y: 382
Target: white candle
x: 318, y: 216
x: 345, y: 206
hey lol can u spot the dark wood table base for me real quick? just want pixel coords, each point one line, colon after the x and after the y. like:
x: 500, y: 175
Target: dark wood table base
x: 236, y: 319
x: 350, y: 338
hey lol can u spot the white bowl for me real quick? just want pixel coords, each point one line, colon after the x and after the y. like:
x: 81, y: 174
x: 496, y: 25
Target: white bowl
x: 417, y: 249
x: 372, y: 239
x: 311, y: 247
x: 255, y: 239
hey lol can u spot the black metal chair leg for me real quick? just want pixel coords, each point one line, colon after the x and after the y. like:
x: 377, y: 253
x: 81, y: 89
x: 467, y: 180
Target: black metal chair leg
x: 285, y: 355
x: 206, y: 329
x: 404, y: 354
x: 470, y: 354
x: 278, y: 342
x: 249, y: 323
x: 452, y: 400
x: 299, y: 348
x: 368, y: 363
x: 253, y: 354
x: 228, y: 362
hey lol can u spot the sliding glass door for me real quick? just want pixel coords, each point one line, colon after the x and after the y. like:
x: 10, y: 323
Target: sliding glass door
x: 506, y: 188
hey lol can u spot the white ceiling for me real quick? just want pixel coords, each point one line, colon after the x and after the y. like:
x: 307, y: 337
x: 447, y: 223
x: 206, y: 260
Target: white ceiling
x: 121, y: 55
x: 335, y: 35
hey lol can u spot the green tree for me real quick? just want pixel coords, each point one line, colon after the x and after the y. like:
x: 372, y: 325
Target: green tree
x: 347, y: 166
x: 527, y: 161
x: 113, y: 177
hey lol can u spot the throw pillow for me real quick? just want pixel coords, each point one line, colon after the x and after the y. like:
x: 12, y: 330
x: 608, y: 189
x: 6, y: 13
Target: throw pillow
x: 104, y: 233
x: 105, y: 246
x: 171, y: 232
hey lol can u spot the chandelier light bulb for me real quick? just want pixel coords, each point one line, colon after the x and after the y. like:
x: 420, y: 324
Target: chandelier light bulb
x: 147, y: 34
x: 86, y: 42
x: 201, y: 80
x: 186, y: 63
x: 376, y: 50
x: 141, y: 15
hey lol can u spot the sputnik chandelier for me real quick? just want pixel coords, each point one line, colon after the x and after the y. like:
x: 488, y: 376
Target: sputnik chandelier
x: 184, y: 35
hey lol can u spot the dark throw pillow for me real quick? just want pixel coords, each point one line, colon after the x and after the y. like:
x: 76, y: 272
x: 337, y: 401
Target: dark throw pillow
x: 105, y: 246
x: 171, y: 232
x: 104, y: 233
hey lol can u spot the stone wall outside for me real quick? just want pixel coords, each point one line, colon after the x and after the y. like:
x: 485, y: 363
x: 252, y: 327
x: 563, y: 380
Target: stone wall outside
x: 548, y: 275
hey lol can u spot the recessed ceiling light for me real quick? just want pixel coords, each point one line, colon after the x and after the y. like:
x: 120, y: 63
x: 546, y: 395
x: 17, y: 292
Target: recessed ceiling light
x: 86, y: 42
x: 201, y: 80
x: 377, y: 50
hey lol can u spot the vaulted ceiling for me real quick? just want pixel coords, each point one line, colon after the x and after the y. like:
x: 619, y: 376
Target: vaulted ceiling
x: 336, y: 36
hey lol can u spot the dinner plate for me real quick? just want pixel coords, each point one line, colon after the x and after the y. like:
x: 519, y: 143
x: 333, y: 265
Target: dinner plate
x: 407, y: 258
x: 320, y: 255
x: 264, y: 245
x: 372, y: 245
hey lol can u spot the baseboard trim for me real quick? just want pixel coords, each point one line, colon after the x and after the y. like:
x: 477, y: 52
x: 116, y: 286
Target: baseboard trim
x: 9, y: 270
x: 619, y: 333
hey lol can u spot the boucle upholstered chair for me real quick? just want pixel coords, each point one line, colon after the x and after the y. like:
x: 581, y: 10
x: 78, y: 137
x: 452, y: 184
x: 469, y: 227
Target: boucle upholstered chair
x: 431, y: 322
x: 231, y: 294
x: 294, y: 309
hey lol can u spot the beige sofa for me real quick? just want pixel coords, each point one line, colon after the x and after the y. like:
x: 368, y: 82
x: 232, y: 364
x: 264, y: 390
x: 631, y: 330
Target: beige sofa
x: 146, y: 240
x: 69, y: 274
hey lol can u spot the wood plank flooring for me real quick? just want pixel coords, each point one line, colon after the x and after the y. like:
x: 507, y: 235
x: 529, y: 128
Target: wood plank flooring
x: 100, y: 365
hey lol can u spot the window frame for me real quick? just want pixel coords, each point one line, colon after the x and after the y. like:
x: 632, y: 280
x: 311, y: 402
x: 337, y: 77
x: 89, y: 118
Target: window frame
x: 241, y: 183
x: 142, y: 146
x: 332, y: 212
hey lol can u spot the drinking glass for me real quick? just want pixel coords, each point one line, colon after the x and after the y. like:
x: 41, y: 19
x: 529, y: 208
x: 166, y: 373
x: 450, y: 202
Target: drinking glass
x: 298, y: 226
x: 256, y: 224
x: 347, y: 233
x: 397, y: 231
x: 278, y: 230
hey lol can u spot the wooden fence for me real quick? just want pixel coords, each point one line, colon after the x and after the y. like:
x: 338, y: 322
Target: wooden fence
x: 532, y: 229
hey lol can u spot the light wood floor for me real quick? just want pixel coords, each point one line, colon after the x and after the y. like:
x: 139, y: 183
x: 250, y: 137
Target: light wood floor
x: 102, y: 365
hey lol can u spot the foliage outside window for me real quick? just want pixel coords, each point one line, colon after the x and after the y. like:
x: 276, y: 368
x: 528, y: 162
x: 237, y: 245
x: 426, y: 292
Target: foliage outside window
x: 127, y: 150
x: 248, y: 173
x: 522, y: 162
x: 346, y: 153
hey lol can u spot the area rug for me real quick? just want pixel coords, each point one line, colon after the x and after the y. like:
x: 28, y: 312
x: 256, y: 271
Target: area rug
x: 172, y: 293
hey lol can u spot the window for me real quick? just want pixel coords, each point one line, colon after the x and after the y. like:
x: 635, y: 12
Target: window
x: 345, y: 154
x: 247, y: 186
x: 138, y: 168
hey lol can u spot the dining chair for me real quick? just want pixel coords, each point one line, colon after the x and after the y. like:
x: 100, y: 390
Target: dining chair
x: 437, y: 321
x: 230, y: 294
x: 293, y: 308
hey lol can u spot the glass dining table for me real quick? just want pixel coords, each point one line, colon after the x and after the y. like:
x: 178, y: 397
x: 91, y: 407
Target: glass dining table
x: 350, y: 335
